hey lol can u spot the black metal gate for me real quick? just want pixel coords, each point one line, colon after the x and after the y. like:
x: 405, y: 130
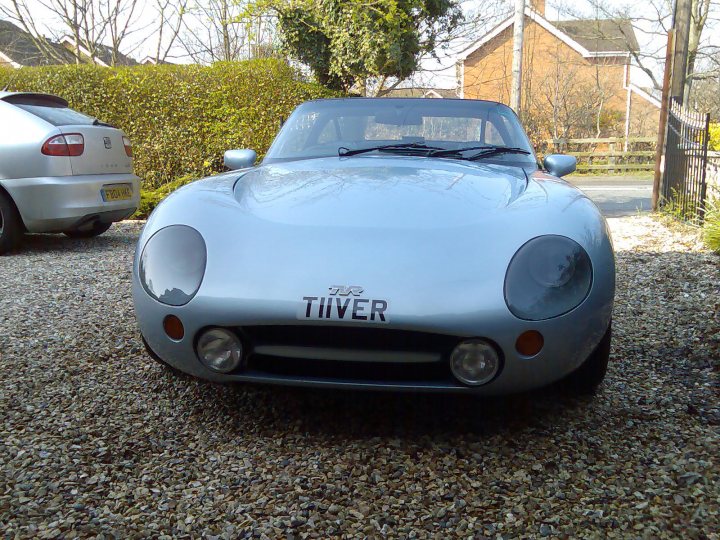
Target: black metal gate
x: 683, y: 187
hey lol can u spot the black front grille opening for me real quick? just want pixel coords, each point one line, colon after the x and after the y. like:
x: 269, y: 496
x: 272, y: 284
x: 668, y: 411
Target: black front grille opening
x: 341, y: 337
x: 368, y: 339
x: 352, y: 371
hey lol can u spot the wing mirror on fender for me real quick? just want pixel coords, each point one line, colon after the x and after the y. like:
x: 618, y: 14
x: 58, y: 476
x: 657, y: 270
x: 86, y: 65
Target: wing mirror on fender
x: 239, y: 159
x: 560, y: 164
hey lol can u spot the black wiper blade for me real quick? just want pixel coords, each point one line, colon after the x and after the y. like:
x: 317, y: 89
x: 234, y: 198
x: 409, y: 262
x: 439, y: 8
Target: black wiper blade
x: 344, y: 152
x: 453, y: 151
x: 497, y: 151
x: 486, y: 151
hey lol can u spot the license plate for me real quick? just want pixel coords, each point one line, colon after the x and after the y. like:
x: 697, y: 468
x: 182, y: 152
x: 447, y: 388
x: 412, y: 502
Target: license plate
x: 343, y: 306
x: 117, y: 193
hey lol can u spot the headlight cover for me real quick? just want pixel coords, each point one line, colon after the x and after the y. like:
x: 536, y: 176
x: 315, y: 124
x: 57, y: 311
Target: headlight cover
x: 172, y: 264
x: 548, y: 276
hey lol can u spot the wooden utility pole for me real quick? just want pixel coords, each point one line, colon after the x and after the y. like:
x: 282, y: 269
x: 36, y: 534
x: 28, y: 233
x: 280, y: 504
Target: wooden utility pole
x: 518, y: 34
x: 681, y: 26
x: 662, y: 127
x: 676, y: 59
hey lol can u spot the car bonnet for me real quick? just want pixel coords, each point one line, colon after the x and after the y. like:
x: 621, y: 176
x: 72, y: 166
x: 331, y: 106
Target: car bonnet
x: 380, y: 191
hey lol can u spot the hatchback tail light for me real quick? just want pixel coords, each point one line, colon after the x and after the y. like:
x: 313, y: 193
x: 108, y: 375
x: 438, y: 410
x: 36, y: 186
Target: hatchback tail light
x: 70, y: 144
x: 128, y: 146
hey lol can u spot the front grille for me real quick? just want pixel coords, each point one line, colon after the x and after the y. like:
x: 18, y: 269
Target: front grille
x: 350, y: 371
x: 348, y: 338
x: 348, y: 353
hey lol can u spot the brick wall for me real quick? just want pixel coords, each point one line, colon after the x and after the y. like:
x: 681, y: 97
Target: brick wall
x: 552, y: 68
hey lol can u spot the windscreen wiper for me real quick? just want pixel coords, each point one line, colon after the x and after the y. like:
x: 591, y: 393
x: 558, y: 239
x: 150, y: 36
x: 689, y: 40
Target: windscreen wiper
x: 344, y: 152
x: 486, y: 151
x: 496, y: 151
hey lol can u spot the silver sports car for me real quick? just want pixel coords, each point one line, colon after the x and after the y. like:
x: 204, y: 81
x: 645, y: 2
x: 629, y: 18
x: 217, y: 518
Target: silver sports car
x: 394, y: 244
x: 60, y: 170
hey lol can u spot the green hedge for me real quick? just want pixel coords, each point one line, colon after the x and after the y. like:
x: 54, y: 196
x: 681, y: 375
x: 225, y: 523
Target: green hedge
x: 181, y: 119
x: 714, y: 143
x: 711, y: 228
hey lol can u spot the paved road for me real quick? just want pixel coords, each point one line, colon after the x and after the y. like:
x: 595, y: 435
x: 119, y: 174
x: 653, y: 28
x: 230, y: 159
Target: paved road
x: 617, y: 195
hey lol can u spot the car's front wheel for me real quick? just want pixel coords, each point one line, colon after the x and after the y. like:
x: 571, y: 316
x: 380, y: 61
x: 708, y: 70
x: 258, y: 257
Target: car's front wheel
x: 11, y: 228
x: 586, y: 379
x: 96, y: 229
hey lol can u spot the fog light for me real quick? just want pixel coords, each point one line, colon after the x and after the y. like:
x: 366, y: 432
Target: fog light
x: 474, y: 362
x: 220, y: 350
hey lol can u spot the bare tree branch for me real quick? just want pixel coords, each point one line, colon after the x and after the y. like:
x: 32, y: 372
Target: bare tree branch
x: 219, y: 30
x: 170, y: 17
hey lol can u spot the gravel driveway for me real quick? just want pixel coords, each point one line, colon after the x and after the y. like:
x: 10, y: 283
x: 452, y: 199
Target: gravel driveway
x: 96, y: 438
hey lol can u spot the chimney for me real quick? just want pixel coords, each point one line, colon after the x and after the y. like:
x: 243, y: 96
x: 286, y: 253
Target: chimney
x: 539, y: 6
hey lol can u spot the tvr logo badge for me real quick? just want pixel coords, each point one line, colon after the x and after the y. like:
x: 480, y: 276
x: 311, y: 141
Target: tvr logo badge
x: 345, y: 290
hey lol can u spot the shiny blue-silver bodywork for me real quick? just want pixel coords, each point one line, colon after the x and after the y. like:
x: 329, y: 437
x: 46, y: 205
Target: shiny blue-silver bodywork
x: 433, y: 236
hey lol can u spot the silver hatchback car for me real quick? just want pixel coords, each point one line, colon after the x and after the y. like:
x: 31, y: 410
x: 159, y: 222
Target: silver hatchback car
x: 60, y: 170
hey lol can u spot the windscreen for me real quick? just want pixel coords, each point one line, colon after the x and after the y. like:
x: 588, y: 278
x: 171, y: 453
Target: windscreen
x: 323, y: 128
x: 50, y: 110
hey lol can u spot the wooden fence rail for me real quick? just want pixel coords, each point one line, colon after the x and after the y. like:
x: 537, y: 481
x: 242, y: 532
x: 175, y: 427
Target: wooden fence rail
x: 605, y: 140
x: 607, y: 154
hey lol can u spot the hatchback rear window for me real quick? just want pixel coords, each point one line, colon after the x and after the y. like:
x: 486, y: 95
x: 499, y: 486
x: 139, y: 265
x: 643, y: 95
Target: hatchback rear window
x: 58, y: 116
x: 51, y: 111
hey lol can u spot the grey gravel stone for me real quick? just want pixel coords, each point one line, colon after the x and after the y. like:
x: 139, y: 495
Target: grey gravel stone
x: 97, y: 440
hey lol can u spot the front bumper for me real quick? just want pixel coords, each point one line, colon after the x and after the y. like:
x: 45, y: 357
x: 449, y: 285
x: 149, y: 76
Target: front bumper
x: 569, y: 341
x: 56, y: 204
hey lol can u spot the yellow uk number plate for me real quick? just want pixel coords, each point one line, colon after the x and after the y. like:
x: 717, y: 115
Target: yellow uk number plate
x: 120, y: 192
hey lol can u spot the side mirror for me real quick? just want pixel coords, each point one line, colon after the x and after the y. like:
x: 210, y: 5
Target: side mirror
x: 239, y: 159
x: 560, y: 164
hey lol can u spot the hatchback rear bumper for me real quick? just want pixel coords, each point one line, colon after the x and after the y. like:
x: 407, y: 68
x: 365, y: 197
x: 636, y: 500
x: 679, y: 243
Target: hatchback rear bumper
x: 56, y: 204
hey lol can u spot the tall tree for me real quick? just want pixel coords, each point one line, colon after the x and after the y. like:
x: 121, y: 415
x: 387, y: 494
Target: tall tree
x: 698, y: 21
x: 170, y: 14
x: 362, y: 43
x: 121, y: 20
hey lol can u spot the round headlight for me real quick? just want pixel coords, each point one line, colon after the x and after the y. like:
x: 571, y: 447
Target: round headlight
x: 547, y: 277
x: 172, y: 264
x: 220, y: 350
